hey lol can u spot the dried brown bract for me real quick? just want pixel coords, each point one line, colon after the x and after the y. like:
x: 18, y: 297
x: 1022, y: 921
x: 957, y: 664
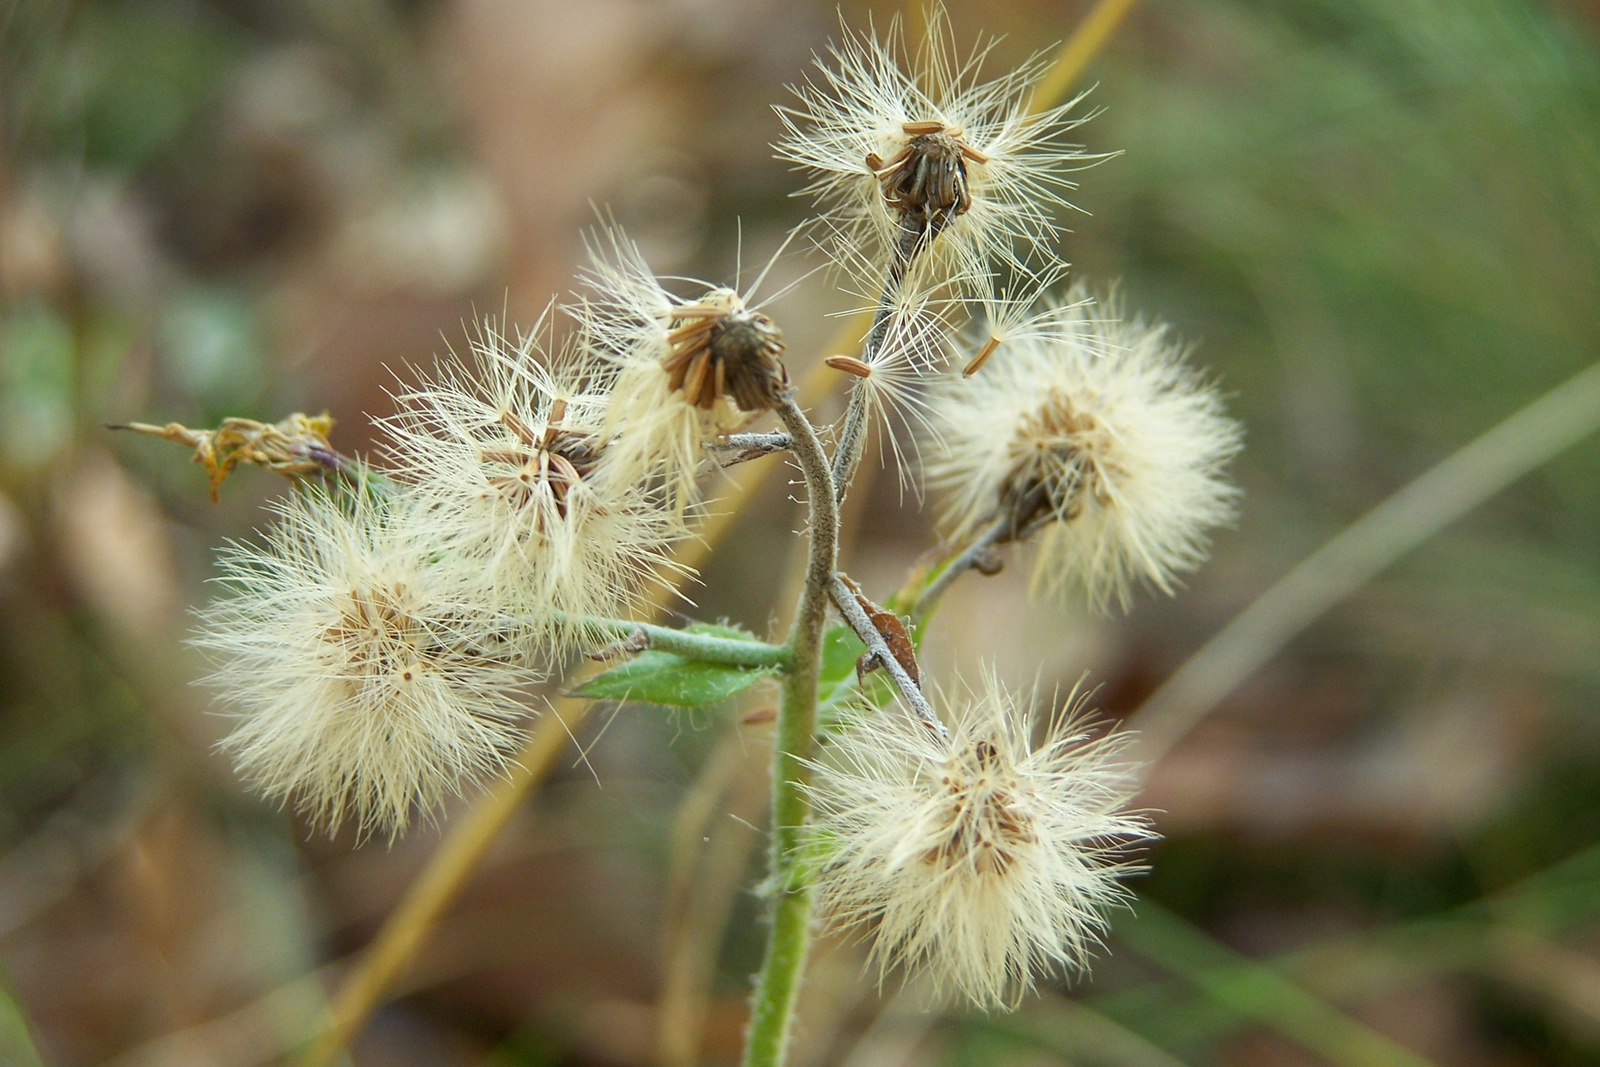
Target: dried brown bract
x: 925, y: 183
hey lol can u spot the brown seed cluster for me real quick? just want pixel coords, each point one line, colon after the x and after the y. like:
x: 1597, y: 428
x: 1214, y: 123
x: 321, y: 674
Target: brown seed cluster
x: 1053, y: 438
x: 988, y: 823
x: 376, y: 637
x: 556, y: 458
x: 717, y: 348
x: 926, y: 181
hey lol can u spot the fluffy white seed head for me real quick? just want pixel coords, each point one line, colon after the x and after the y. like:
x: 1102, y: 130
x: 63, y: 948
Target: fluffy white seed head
x: 508, y: 456
x: 1093, y: 431
x: 370, y: 677
x: 981, y: 859
x: 923, y: 159
x: 686, y: 370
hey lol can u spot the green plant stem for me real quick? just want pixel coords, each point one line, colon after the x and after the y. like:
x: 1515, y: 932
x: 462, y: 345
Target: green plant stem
x: 772, y: 1011
x: 706, y: 648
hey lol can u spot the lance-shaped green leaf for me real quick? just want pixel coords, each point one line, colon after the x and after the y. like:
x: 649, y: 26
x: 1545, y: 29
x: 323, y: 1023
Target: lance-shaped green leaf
x: 656, y: 677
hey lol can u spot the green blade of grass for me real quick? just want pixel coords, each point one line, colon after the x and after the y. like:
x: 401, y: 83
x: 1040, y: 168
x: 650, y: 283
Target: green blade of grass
x: 16, y: 1043
x: 1365, y: 965
x: 1079, y: 1034
x: 1257, y: 991
x: 1526, y: 440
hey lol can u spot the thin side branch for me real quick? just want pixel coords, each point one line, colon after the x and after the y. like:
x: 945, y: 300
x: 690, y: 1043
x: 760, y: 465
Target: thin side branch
x: 706, y: 648
x: 748, y: 446
x: 844, y: 598
x: 853, y: 430
x: 979, y: 555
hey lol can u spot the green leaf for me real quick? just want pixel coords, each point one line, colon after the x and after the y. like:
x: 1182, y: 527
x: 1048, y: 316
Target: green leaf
x: 654, y: 677
x: 663, y: 678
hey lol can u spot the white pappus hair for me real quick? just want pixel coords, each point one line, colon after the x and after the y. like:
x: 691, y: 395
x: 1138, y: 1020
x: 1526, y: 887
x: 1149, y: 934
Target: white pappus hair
x: 865, y: 123
x: 369, y: 675
x: 979, y: 859
x: 509, y: 461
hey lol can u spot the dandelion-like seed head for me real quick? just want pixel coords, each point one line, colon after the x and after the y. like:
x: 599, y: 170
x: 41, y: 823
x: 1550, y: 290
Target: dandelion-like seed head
x: 926, y: 162
x: 369, y: 676
x: 507, y: 455
x: 1091, y: 436
x: 979, y: 859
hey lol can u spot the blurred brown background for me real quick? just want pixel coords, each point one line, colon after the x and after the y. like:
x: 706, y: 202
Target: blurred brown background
x: 1379, y: 222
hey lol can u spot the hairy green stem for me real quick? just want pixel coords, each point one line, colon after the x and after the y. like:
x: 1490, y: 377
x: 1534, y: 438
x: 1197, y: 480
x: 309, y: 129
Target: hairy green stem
x: 706, y: 648
x: 772, y: 1011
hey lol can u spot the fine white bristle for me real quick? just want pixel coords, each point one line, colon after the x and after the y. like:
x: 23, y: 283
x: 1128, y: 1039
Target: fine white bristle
x: 1093, y: 429
x: 978, y: 859
x: 858, y: 107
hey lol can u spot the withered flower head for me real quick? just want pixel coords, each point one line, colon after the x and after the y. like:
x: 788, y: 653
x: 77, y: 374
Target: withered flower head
x: 296, y: 447
x: 716, y: 348
x: 684, y: 371
x: 506, y: 454
x: 925, y: 163
x: 925, y: 182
